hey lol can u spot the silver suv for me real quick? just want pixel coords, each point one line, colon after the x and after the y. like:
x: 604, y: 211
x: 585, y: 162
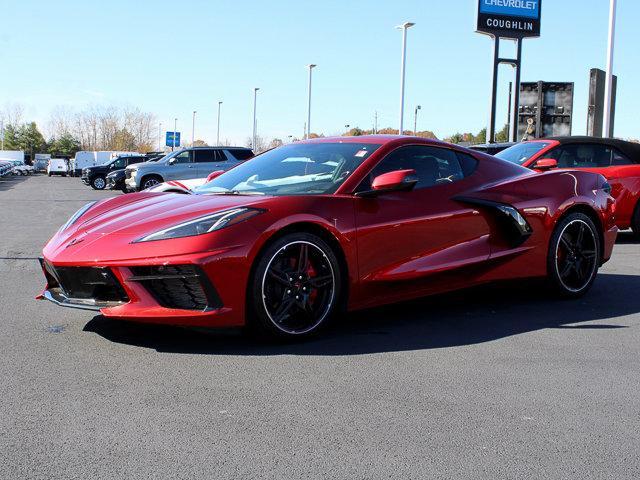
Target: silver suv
x: 185, y: 164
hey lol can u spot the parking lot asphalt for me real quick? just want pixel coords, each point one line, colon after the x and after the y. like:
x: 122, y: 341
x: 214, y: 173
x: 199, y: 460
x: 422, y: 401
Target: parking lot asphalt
x: 497, y: 382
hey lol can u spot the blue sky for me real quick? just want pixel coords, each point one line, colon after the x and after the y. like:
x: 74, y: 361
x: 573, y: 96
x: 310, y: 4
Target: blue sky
x: 171, y: 58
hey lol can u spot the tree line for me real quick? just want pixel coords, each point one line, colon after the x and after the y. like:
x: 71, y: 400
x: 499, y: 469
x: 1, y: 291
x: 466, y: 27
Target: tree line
x: 94, y: 128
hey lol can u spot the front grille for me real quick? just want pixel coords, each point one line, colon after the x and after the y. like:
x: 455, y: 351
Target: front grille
x: 84, y: 283
x: 184, y: 287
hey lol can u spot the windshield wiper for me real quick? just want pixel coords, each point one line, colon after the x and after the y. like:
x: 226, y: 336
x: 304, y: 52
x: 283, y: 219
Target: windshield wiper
x: 236, y: 192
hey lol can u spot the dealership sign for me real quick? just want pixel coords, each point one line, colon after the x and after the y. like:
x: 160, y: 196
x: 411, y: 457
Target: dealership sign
x: 173, y: 139
x: 509, y: 18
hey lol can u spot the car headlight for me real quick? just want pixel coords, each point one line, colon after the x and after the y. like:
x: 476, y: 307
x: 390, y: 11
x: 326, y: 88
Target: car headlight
x: 201, y: 225
x: 74, y: 218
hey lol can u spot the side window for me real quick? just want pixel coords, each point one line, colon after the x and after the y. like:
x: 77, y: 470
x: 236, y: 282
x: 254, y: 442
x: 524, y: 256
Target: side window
x: 433, y: 165
x: 205, y: 156
x: 184, y: 157
x: 467, y: 163
x: 581, y: 156
x: 220, y: 156
x: 241, y: 154
x: 618, y: 159
x: 118, y: 164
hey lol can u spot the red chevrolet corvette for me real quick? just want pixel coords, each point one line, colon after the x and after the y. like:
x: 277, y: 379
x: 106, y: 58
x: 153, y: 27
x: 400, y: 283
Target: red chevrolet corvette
x: 618, y: 161
x: 285, y: 240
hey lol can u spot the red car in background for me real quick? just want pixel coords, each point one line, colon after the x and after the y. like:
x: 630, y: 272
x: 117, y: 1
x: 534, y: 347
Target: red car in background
x: 618, y: 161
x: 287, y: 239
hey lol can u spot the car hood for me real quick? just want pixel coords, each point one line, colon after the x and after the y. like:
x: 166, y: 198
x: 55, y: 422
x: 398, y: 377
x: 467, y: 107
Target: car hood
x: 144, y: 212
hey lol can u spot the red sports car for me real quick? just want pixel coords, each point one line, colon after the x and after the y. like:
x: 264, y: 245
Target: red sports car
x: 287, y: 239
x: 617, y: 160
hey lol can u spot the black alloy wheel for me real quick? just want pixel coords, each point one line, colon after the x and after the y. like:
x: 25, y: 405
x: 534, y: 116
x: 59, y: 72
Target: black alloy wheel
x: 151, y: 181
x: 296, y: 286
x: 574, y: 255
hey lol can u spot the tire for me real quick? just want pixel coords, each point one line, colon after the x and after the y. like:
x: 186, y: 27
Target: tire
x: 48, y: 174
x: 574, y: 256
x: 98, y: 182
x: 294, y: 295
x: 150, y: 181
x: 635, y: 220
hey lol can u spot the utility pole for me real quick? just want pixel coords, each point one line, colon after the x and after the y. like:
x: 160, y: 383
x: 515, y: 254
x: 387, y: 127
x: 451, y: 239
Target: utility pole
x: 218, y: 134
x: 415, y: 120
x: 375, y: 123
x: 310, y: 67
x: 159, y: 135
x: 403, y: 59
x: 608, y: 95
x: 255, y: 126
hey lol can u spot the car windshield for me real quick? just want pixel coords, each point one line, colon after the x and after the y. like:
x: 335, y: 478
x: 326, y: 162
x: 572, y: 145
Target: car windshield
x: 521, y: 152
x: 295, y: 169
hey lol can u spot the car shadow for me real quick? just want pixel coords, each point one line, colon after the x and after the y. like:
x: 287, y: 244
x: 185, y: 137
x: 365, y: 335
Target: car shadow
x: 627, y: 238
x: 10, y: 181
x: 463, y: 318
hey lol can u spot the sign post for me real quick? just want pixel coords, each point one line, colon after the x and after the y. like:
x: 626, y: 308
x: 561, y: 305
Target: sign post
x: 173, y: 139
x: 513, y: 20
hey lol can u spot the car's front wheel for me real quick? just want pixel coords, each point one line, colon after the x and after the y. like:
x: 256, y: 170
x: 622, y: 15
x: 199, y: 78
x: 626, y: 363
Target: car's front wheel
x: 98, y: 183
x: 150, y: 181
x: 574, y: 255
x: 295, y: 288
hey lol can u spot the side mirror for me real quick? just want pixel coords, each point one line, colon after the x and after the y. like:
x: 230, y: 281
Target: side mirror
x: 396, y: 181
x: 213, y: 175
x: 545, y: 164
x: 172, y: 161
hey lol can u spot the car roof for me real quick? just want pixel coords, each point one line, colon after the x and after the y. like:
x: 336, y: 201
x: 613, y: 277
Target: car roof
x: 217, y: 148
x: 630, y: 149
x: 376, y: 139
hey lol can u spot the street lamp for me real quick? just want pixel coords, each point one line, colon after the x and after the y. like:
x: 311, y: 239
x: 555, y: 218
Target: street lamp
x: 347, y: 128
x: 193, y: 129
x: 218, y: 135
x: 403, y: 27
x: 175, y: 128
x: 255, y: 97
x: 310, y: 67
x: 608, y: 100
x: 415, y: 120
x: 159, y: 135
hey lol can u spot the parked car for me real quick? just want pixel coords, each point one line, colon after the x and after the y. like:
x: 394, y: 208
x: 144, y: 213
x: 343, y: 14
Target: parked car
x: 20, y: 168
x: 58, y: 166
x: 185, y: 164
x: 618, y: 161
x: 284, y: 242
x: 96, y: 177
x: 491, y: 148
x: 6, y: 168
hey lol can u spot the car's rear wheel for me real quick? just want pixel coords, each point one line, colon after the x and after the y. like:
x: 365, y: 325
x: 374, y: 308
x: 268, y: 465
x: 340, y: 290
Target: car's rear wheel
x: 295, y: 288
x: 150, y: 181
x: 574, y: 255
x: 98, y: 183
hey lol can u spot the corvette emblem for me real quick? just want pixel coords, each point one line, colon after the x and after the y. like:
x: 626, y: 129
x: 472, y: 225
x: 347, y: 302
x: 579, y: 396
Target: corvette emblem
x: 75, y: 241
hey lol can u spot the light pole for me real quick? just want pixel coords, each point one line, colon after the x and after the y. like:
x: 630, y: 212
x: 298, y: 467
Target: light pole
x: 175, y: 128
x: 415, y: 120
x: 310, y: 67
x: 218, y: 134
x: 255, y: 98
x: 608, y: 100
x: 2, y: 134
x: 193, y: 128
x: 159, y: 135
x: 346, y: 127
x: 403, y: 27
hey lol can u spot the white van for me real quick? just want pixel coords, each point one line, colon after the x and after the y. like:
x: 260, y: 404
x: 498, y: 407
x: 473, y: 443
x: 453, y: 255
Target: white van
x: 84, y: 159
x: 58, y: 166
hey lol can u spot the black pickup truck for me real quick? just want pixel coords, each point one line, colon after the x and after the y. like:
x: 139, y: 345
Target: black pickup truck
x: 96, y: 177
